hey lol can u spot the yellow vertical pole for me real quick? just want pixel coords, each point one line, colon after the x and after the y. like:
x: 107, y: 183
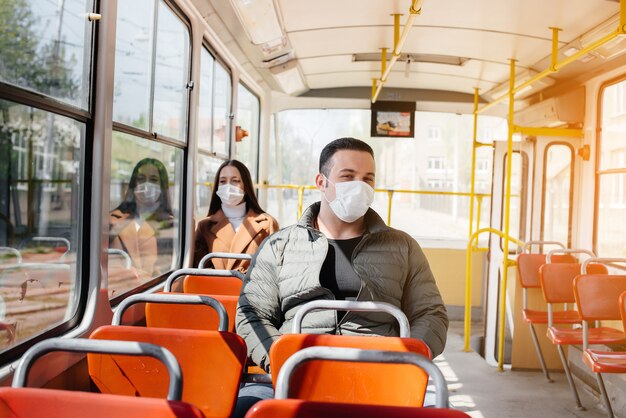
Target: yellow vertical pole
x: 622, y: 16
x: 374, y: 80
x: 507, y: 218
x: 555, y: 49
x: 468, y: 287
x: 300, y: 200
x: 383, y: 63
x: 389, y: 197
x: 478, y: 209
x: 396, y: 32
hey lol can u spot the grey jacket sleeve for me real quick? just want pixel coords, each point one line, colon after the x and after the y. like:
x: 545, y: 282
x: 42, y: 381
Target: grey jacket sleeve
x: 422, y: 302
x: 259, y: 312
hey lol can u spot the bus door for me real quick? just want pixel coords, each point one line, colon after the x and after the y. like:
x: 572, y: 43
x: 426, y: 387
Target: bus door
x: 519, y: 192
x: 554, y: 170
x: 543, y: 173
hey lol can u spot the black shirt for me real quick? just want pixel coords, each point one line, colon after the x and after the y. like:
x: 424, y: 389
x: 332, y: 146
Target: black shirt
x: 337, y: 273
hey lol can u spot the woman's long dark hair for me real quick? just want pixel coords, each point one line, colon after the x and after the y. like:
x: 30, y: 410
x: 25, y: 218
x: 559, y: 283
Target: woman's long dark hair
x: 129, y: 204
x: 248, y: 188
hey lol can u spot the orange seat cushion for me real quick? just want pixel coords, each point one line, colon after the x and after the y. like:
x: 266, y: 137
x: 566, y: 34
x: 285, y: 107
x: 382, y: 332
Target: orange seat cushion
x: 605, y: 361
x: 595, y: 336
x: 558, y: 317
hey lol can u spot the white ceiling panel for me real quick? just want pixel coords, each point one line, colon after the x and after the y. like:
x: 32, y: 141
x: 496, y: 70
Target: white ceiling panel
x: 323, y: 35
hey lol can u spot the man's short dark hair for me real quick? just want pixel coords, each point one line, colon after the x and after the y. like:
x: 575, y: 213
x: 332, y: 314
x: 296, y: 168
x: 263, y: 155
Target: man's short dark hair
x: 329, y: 150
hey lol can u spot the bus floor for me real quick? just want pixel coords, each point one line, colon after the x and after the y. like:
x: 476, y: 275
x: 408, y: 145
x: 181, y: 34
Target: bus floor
x: 480, y: 390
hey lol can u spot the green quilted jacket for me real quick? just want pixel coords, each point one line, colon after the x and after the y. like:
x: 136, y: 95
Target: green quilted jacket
x: 284, y: 274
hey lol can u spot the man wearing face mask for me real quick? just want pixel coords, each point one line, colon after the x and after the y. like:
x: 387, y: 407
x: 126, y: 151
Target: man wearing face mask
x: 340, y: 249
x: 235, y: 222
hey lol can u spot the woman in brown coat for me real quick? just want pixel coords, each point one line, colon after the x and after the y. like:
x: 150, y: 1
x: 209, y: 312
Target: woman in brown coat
x: 142, y: 225
x: 235, y: 223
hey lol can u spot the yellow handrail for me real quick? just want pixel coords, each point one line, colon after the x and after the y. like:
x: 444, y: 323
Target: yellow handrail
x: 468, y: 276
x: 507, y: 216
x: 556, y: 66
x: 390, y: 193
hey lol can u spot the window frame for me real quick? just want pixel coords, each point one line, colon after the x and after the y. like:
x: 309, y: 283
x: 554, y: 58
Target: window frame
x: 27, y: 97
x: 599, y: 172
x: 523, y: 198
x: 258, y: 127
x: 183, y: 145
x: 150, y: 133
x: 571, y: 190
x: 217, y: 59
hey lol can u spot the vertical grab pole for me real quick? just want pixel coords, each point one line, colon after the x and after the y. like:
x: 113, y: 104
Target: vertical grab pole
x: 389, y: 197
x: 479, y: 199
x: 622, y: 16
x: 468, y: 286
x: 507, y: 217
x: 300, y: 200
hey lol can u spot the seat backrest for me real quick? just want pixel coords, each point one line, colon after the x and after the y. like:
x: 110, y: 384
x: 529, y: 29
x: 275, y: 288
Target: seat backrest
x: 207, y: 281
x: 557, y: 280
x: 212, y: 285
x: 199, y: 317
x: 296, y: 408
x: 334, y: 381
x: 528, y: 267
x: 597, y: 296
x: 52, y: 403
x: 212, y: 363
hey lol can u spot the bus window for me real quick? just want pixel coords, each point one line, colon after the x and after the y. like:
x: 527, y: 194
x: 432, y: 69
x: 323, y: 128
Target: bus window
x: 610, y: 231
x: 438, y: 165
x: 205, y: 175
x: 519, y: 171
x: 133, y: 63
x: 46, y: 47
x: 205, y: 107
x: 221, y: 110
x: 171, y: 74
x: 557, y: 193
x: 144, y: 217
x: 150, y: 83
x: 248, y: 110
x: 40, y: 195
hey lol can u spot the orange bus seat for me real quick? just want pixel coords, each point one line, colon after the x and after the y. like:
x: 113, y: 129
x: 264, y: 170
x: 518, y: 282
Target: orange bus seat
x: 296, y: 408
x: 331, y: 381
x: 212, y: 363
x: 557, y: 285
x: 528, y: 266
x: 212, y: 285
x: 52, y: 403
x: 596, y: 300
x: 19, y: 401
x: 207, y: 281
x: 166, y: 315
x: 601, y: 361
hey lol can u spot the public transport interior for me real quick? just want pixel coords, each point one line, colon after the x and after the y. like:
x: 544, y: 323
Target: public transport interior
x: 498, y: 129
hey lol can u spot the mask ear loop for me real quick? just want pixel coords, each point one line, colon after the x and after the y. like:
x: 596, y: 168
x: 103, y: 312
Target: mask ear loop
x: 326, y: 186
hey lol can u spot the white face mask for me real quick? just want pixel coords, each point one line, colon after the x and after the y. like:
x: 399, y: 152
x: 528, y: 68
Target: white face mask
x: 352, y: 199
x: 147, y: 193
x: 230, y: 195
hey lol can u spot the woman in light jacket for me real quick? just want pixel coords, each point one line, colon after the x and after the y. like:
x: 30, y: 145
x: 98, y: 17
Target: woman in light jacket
x: 235, y: 223
x: 142, y: 224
